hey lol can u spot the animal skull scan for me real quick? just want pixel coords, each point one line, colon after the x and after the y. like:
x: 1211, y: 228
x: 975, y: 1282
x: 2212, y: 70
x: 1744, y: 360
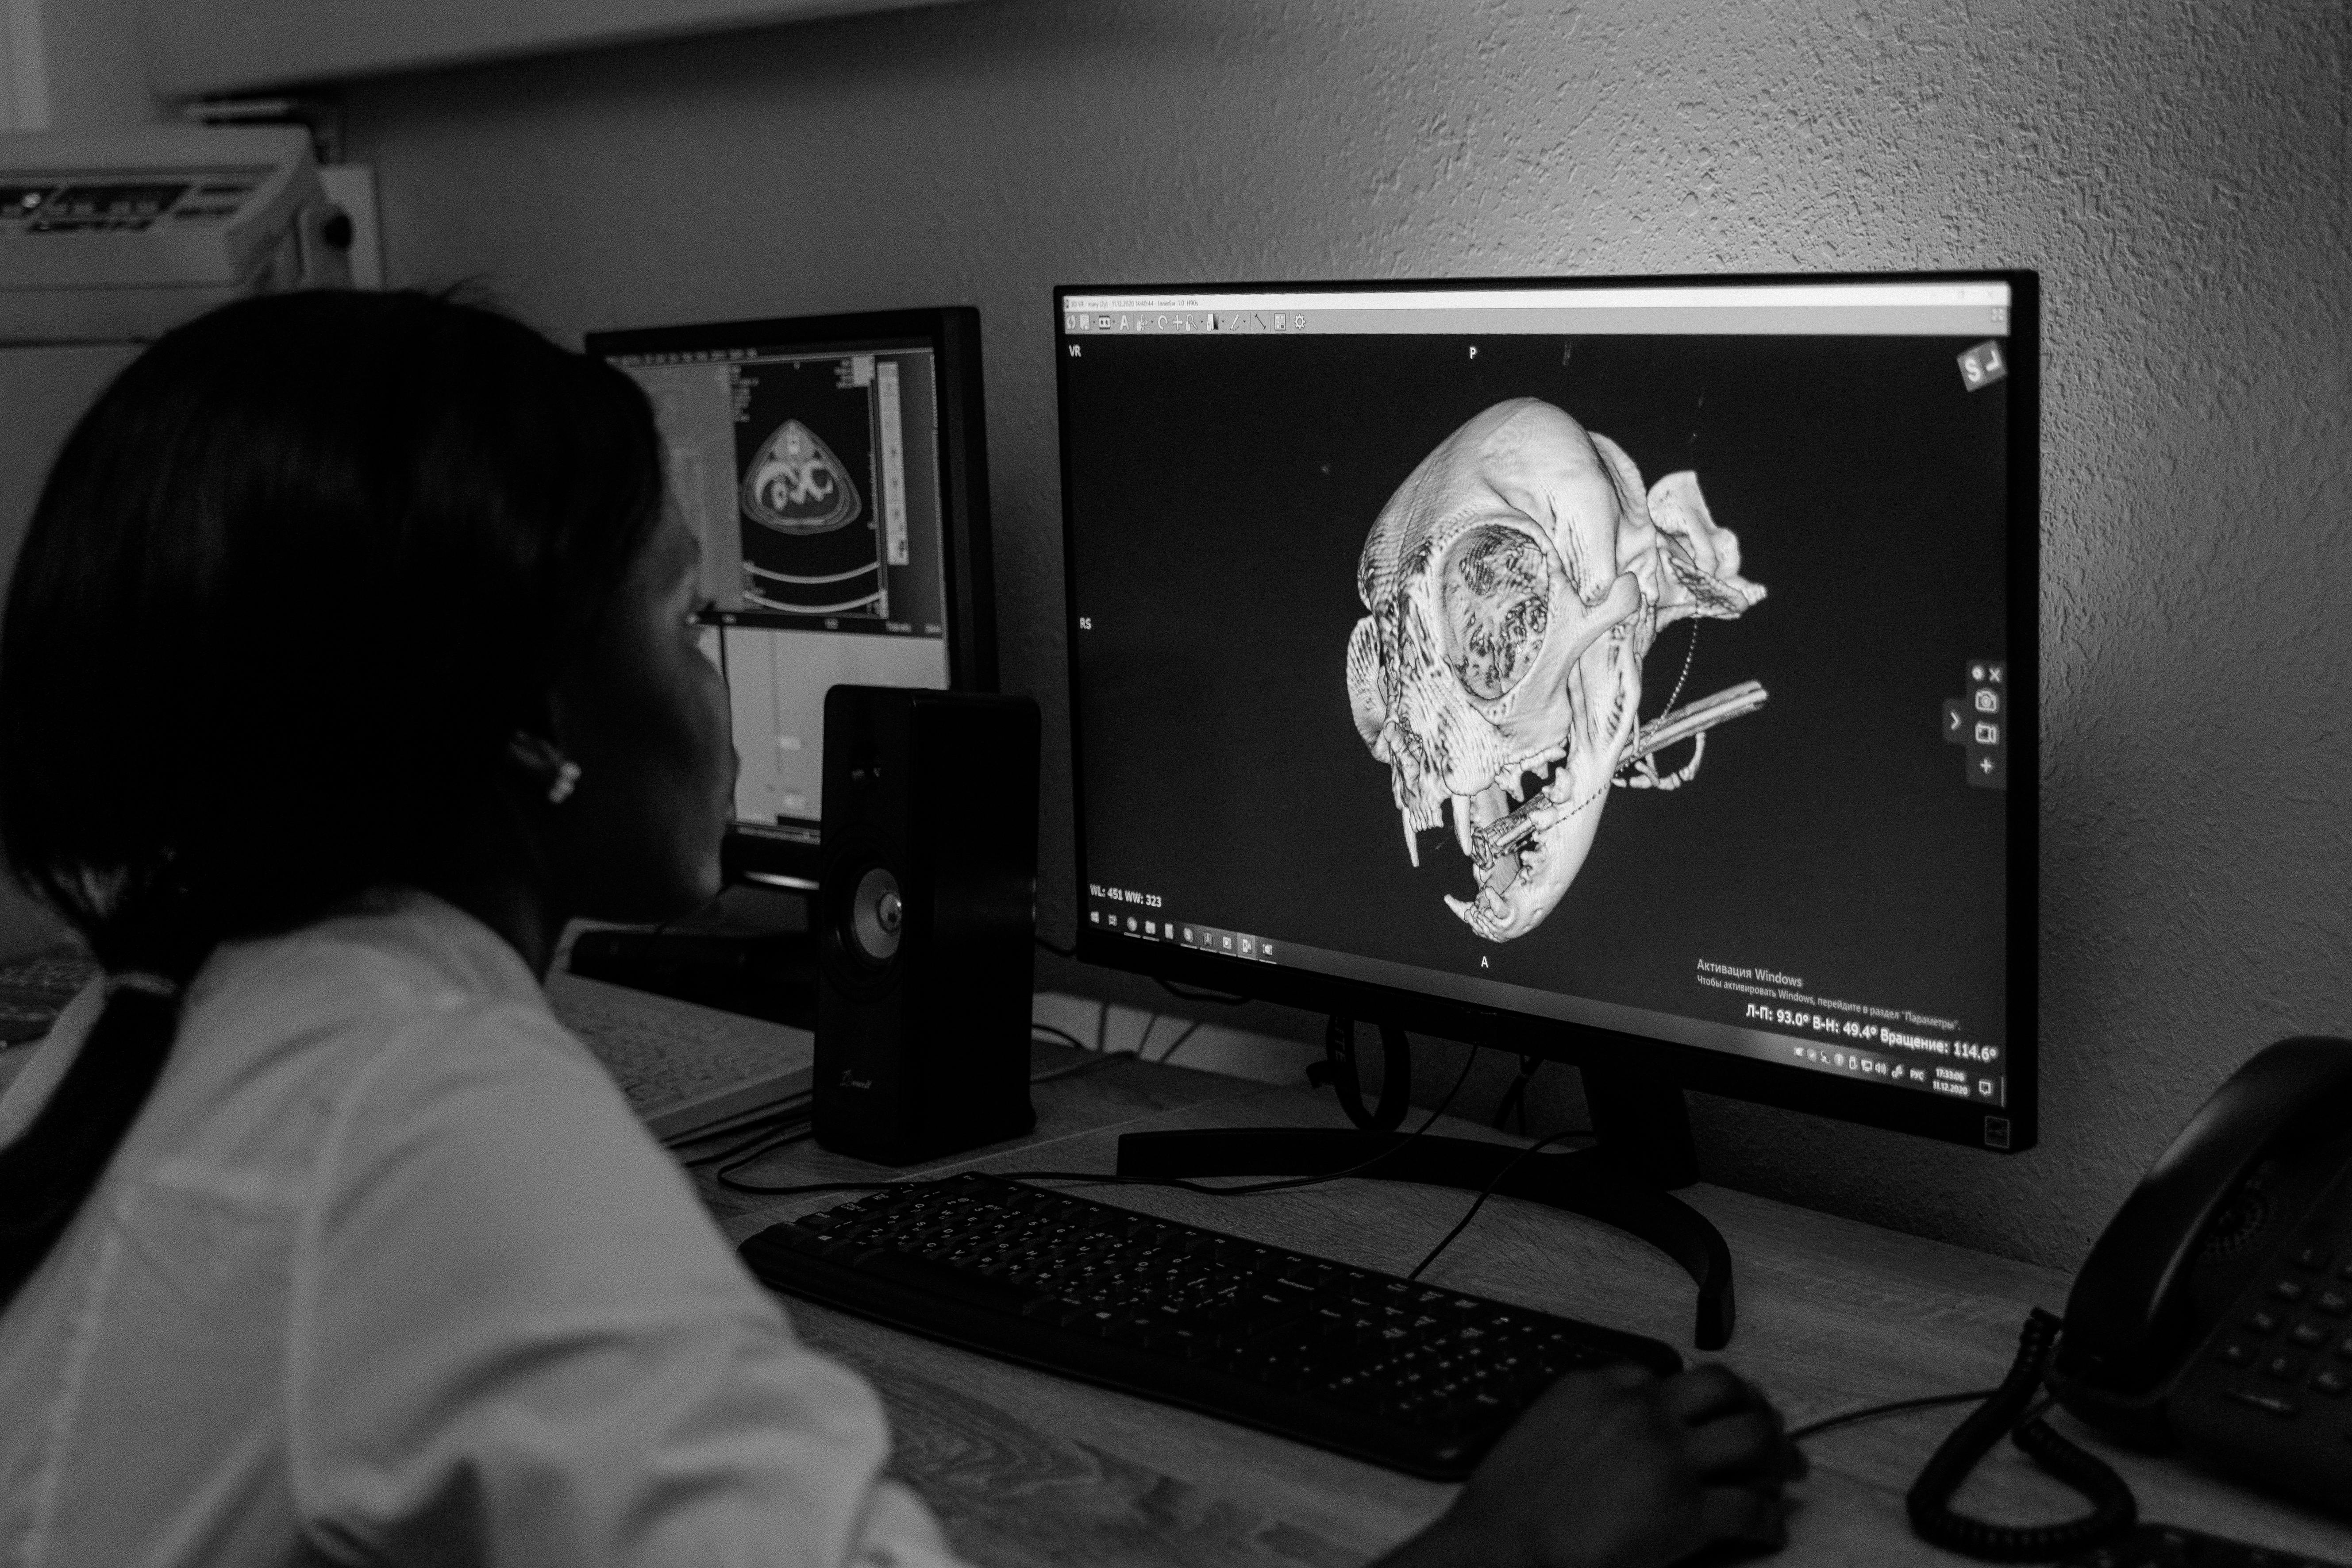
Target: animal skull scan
x: 1513, y: 587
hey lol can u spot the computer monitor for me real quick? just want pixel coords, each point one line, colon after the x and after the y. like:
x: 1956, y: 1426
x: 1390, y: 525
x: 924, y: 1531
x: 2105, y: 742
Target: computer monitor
x: 1637, y: 673
x: 834, y: 468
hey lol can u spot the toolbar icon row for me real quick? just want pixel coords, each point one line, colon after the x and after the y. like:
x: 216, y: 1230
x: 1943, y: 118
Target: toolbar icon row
x: 1183, y: 321
x: 1979, y: 722
x: 1230, y: 944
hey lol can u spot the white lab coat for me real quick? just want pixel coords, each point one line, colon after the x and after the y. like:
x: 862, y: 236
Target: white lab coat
x: 386, y: 1272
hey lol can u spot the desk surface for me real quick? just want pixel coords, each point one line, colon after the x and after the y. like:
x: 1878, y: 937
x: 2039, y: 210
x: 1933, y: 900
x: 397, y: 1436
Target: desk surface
x: 1026, y: 1468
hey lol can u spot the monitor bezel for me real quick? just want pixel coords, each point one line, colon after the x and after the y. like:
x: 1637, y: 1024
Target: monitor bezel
x: 966, y: 556
x: 2008, y: 1128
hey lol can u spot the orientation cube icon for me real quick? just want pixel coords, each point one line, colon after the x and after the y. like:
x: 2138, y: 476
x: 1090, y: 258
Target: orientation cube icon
x: 1984, y: 365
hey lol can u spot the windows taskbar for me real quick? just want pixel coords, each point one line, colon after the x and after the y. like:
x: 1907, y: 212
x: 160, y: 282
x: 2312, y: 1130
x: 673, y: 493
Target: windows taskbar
x: 1804, y: 1032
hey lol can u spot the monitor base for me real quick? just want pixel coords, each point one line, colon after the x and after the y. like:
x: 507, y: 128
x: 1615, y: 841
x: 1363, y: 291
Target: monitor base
x: 1596, y: 1182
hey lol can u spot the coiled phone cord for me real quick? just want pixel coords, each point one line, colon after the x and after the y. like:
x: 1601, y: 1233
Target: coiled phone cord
x: 2113, y: 1509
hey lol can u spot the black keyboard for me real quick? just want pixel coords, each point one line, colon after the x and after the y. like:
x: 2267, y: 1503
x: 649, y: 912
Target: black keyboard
x: 1419, y: 1380
x: 2169, y: 1546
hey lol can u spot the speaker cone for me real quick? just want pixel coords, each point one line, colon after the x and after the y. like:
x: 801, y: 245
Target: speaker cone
x: 876, y: 916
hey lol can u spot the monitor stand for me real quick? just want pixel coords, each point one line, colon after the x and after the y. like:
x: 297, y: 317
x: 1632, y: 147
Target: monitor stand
x: 1643, y: 1148
x: 750, y: 951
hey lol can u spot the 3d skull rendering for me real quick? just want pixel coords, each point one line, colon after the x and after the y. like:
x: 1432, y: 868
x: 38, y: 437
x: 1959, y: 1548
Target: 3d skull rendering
x: 1513, y: 587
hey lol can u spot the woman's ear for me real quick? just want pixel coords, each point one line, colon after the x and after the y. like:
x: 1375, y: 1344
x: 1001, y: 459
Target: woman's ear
x: 545, y: 762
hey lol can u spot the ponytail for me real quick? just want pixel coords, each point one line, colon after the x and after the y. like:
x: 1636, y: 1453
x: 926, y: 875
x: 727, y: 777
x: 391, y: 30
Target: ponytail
x: 46, y: 1174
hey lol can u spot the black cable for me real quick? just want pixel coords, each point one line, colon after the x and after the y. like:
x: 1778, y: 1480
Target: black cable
x: 766, y: 1127
x: 1516, y: 1097
x: 1487, y: 1191
x: 1893, y: 1408
x: 1190, y: 1030
x: 1101, y: 1058
x: 1095, y: 1062
x: 1338, y: 1070
x: 725, y: 1174
x: 792, y: 1107
x: 797, y: 1189
x: 2013, y: 1410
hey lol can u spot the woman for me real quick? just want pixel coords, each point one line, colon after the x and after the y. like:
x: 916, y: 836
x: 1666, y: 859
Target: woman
x: 350, y: 656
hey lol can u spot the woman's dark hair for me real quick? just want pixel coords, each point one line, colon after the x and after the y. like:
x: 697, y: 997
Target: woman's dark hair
x: 295, y: 581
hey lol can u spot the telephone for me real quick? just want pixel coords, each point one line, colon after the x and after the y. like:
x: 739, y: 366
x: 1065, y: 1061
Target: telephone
x: 2215, y: 1313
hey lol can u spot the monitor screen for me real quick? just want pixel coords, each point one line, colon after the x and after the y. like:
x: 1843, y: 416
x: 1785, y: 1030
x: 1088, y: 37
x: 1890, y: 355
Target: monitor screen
x: 811, y: 457
x: 1652, y: 659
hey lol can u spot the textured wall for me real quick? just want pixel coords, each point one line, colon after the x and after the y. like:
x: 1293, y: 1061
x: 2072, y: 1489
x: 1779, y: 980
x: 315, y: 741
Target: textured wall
x: 2178, y: 174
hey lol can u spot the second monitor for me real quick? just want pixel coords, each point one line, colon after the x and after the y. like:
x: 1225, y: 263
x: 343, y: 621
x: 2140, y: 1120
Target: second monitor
x: 833, y: 468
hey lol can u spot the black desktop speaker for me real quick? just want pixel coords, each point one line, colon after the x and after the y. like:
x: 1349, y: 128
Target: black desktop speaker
x: 925, y: 910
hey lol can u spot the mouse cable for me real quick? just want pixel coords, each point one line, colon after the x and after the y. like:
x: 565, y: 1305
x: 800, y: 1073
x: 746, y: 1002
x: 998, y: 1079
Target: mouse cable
x: 1190, y: 1030
x: 1487, y: 1191
x: 1891, y: 1407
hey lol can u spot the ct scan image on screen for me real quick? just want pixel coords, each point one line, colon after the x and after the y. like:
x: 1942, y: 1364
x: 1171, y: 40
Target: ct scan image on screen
x: 1650, y: 681
x: 809, y: 476
x: 812, y: 542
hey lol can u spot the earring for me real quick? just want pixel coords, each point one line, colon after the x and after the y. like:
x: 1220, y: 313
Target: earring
x: 540, y: 756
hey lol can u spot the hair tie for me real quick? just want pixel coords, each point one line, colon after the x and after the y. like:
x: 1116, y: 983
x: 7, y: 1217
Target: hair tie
x: 145, y: 981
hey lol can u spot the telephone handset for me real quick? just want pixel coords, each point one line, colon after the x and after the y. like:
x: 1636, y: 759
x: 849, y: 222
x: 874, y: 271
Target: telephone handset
x: 2215, y: 1313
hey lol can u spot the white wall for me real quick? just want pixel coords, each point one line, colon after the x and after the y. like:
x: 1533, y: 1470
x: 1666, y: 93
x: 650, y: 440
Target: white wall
x: 73, y: 65
x: 2176, y: 173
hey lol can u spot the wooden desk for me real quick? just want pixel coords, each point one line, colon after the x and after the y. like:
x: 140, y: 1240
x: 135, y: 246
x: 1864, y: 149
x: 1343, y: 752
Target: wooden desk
x: 1026, y: 1468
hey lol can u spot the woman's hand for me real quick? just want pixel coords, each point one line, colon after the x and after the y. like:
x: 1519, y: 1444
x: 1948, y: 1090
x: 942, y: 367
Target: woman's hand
x: 1620, y: 1470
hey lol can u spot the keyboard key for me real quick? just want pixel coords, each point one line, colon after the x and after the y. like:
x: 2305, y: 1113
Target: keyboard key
x: 2262, y: 1320
x: 2285, y: 1368
x: 960, y: 1284
x: 2288, y: 1290
x: 2334, y: 1302
x: 2310, y: 1336
x: 2330, y: 1381
x: 2314, y: 1259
